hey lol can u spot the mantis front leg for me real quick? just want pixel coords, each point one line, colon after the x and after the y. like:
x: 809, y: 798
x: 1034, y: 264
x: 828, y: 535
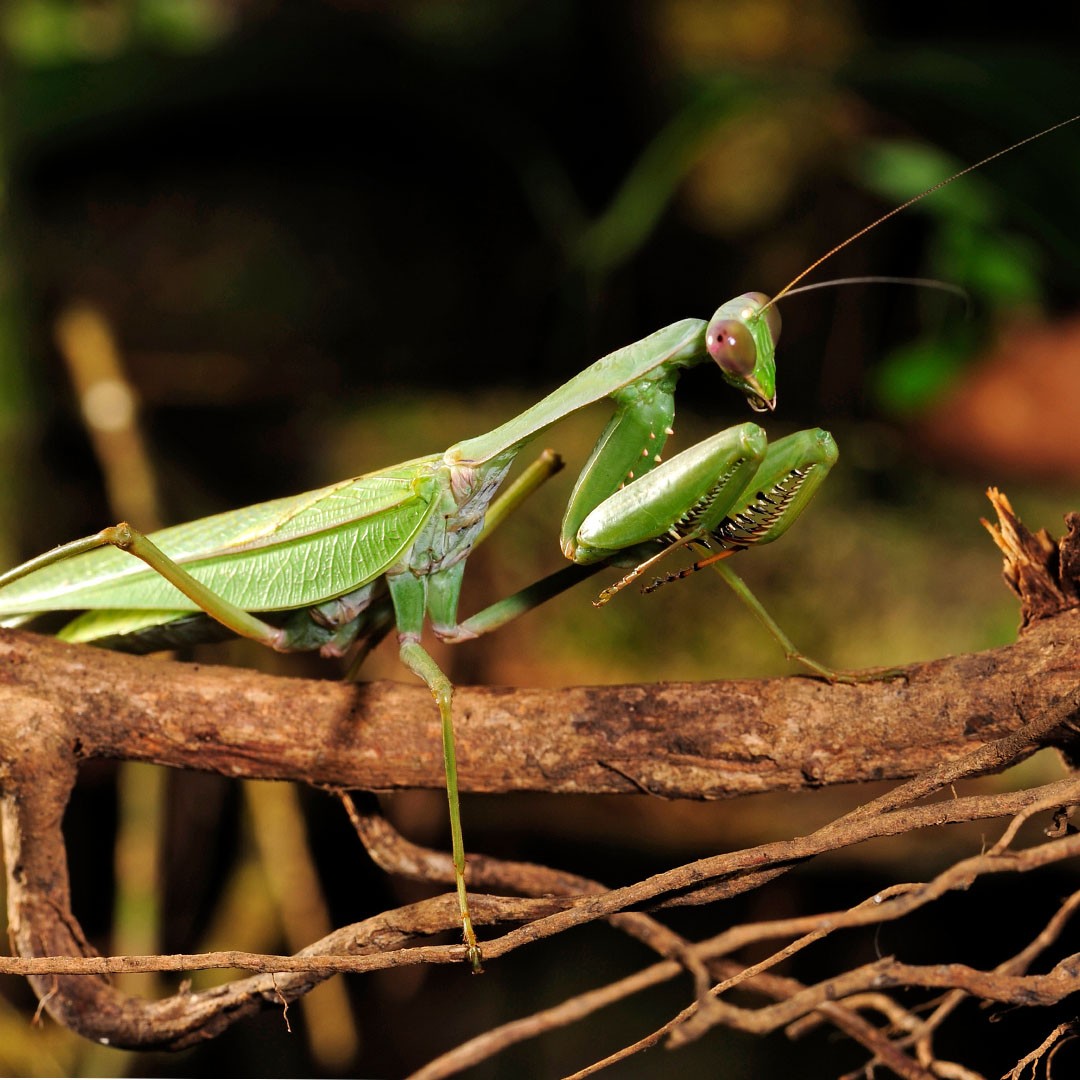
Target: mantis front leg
x: 725, y: 495
x: 755, y: 501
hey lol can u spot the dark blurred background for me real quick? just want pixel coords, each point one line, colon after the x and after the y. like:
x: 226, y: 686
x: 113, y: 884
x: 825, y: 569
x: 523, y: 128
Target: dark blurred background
x: 251, y: 248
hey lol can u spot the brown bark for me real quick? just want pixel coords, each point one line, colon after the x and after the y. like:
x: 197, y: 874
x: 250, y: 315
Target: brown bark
x: 64, y: 704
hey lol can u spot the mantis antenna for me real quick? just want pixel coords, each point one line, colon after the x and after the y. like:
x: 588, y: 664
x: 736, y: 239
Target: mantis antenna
x: 885, y: 279
x: 911, y: 202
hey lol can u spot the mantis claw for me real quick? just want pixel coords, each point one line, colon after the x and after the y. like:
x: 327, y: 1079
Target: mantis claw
x: 475, y: 958
x: 842, y: 675
x: 606, y: 594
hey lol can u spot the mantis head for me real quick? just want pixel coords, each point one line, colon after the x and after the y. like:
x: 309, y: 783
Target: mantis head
x: 741, y: 337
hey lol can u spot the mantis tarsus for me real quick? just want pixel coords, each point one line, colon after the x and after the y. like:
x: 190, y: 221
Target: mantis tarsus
x: 335, y: 569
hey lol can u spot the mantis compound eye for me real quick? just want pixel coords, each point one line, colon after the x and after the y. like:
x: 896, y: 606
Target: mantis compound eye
x: 731, y: 345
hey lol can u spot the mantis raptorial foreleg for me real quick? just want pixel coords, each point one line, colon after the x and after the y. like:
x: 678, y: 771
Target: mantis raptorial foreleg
x: 721, y: 497
x: 762, y: 494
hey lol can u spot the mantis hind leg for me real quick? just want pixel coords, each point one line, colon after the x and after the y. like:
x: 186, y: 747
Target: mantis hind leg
x: 129, y: 539
x: 417, y: 659
x: 411, y: 595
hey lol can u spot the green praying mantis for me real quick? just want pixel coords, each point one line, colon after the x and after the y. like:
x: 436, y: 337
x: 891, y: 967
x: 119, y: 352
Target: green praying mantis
x: 336, y: 569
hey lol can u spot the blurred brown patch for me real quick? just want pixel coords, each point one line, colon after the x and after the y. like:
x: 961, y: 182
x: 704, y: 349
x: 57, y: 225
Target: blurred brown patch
x: 1018, y: 411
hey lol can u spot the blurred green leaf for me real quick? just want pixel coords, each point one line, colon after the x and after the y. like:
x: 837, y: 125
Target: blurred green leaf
x: 183, y: 25
x: 54, y: 32
x: 43, y: 31
x: 999, y: 267
x: 969, y: 247
x: 899, y: 170
x: 912, y: 376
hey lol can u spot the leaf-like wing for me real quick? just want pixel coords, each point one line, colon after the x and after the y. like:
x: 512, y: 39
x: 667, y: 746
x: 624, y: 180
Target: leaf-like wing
x: 276, y: 555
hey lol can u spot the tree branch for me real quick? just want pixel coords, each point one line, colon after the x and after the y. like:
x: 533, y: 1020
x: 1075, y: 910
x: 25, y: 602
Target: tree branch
x: 676, y: 740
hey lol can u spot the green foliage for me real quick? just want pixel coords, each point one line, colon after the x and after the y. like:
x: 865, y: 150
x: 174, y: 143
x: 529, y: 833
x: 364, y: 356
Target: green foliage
x: 52, y: 32
x: 973, y: 242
